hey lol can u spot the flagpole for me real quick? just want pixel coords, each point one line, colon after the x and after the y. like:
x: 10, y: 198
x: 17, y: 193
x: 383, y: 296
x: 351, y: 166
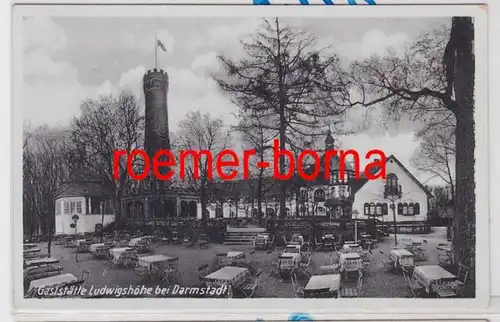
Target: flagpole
x: 156, y: 50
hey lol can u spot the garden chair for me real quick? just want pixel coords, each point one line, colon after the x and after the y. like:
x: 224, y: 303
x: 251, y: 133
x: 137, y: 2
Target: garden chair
x: 328, y: 245
x: 175, y: 238
x: 463, y: 273
x: 202, y: 272
x: 297, y: 288
x: 271, y: 243
x: 415, y: 288
x: 222, y: 259
x: 444, y: 290
x: 388, y: 264
x: 203, y: 241
x: 319, y: 245
x: 188, y: 242
x: 352, y: 292
x: 84, y: 277
x: 248, y: 289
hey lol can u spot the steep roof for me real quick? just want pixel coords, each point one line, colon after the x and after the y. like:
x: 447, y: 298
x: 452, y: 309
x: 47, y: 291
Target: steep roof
x: 83, y: 183
x: 358, y: 184
x: 83, y: 189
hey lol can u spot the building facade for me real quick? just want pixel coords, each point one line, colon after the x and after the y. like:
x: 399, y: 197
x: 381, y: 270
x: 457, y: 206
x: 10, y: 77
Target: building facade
x: 341, y: 196
x: 88, y: 200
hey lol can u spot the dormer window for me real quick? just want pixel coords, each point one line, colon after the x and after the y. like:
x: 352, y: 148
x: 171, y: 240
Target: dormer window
x: 392, y: 180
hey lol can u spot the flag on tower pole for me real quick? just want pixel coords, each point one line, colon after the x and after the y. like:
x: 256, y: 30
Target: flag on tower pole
x: 161, y: 45
x: 158, y: 43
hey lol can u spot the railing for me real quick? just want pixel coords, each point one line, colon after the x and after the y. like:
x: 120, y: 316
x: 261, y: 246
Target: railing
x: 390, y: 190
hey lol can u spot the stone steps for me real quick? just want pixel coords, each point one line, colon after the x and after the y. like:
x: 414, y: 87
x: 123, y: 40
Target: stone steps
x: 241, y: 236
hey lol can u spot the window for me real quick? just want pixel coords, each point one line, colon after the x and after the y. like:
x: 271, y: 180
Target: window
x: 66, y: 207
x: 410, y: 209
x: 58, y: 207
x: 219, y: 213
x: 287, y: 212
x: 400, y: 208
x: 372, y: 208
x: 405, y: 209
x: 319, y: 195
x: 378, y: 209
x: 72, y: 207
x: 392, y: 180
x: 384, y: 209
x: 367, y: 208
x: 342, y: 191
x: 416, y: 209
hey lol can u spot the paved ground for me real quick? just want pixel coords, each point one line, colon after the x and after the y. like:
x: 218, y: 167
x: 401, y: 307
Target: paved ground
x: 380, y: 284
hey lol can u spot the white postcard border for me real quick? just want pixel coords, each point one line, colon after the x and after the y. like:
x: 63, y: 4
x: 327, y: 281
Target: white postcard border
x: 195, y: 309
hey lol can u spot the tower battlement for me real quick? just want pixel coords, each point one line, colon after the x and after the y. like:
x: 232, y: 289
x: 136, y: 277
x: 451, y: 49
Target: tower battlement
x: 155, y: 79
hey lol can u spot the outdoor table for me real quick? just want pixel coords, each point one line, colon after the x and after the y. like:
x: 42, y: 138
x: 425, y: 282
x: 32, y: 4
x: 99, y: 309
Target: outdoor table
x: 116, y: 253
x: 329, y: 268
x: 43, y: 270
x: 31, y: 250
x: 234, y: 276
x: 53, y: 281
x: 350, y: 262
x: 352, y: 248
x: 261, y: 241
x: 93, y: 248
x: 31, y: 253
x: 288, y: 261
x: 292, y: 249
x: 41, y: 261
x: 401, y: 257
x: 297, y: 240
x: 429, y: 275
x: 155, y: 261
x: 80, y: 241
x: 318, y: 283
x: 29, y: 246
x: 444, y: 248
x: 135, y: 241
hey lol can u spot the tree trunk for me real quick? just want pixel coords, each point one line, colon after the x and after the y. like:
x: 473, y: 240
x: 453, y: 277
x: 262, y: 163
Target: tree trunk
x: 282, y: 135
x: 203, y: 199
x: 465, y: 199
x: 259, y: 200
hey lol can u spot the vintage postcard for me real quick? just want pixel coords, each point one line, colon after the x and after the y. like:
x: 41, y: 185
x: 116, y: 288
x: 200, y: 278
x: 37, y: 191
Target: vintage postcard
x: 277, y: 153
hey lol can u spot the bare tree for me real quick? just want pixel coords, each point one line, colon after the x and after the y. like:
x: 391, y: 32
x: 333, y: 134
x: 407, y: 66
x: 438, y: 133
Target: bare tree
x: 43, y: 174
x: 257, y: 135
x: 285, y: 79
x: 436, y: 154
x: 106, y: 125
x: 435, y: 74
x: 200, y: 132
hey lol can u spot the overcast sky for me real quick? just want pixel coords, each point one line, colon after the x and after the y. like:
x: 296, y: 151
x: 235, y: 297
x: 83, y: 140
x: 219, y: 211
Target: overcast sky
x: 69, y: 59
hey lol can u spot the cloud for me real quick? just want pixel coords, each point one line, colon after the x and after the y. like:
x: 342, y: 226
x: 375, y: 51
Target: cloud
x: 41, y: 34
x: 374, y: 42
x: 205, y: 64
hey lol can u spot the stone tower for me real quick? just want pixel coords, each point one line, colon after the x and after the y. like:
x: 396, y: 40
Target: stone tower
x: 156, y: 125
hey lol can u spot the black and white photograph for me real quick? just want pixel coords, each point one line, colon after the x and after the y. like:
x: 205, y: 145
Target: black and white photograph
x: 260, y: 156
